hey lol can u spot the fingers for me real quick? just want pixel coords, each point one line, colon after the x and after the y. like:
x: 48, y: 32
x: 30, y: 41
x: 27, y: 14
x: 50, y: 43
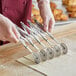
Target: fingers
x: 45, y: 23
x: 15, y: 32
x: 12, y: 34
x: 2, y: 38
x: 48, y: 24
x: 8, y: 31
x: 11, y: 37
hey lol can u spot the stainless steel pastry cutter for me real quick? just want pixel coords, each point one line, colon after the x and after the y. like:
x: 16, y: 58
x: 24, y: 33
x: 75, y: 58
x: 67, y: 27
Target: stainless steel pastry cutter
x: 62, y: 45
x: 56, y: 49
x: 50, y: 53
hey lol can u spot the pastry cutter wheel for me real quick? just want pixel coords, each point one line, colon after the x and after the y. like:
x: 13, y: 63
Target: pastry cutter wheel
x: 43, y: 54
x: 36, y: 55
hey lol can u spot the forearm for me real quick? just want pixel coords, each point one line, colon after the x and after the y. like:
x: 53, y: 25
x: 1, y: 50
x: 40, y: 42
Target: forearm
x: 46, y: 14
x: 43, y: 1
x: 44, y: 5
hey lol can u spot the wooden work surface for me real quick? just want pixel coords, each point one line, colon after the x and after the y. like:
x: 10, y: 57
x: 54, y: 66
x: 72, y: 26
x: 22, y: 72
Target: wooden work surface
x: 63, y: 65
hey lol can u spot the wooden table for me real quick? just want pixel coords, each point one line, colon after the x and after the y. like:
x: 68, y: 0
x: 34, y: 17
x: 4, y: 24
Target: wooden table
x: 14, y: 64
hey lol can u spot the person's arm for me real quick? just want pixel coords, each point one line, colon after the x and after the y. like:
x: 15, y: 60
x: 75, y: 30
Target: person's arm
x: 46, y: 14
x: 8, y: 31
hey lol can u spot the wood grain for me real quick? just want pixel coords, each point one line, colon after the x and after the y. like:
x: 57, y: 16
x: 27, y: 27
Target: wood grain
x: 17, y: 69
x: 12, y: 51
x: 65, y: 65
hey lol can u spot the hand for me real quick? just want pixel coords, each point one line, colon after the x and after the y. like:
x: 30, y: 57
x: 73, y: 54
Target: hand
x: 8, y: 31
x: 46, y: 14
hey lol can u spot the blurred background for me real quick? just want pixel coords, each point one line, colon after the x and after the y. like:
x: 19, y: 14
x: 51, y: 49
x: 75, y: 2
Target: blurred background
x: 64, y: 11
